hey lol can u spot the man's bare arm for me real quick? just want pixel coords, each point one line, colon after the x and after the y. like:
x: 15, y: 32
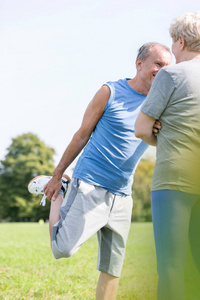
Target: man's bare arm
x: 91, y: 117
x: 144, y: 128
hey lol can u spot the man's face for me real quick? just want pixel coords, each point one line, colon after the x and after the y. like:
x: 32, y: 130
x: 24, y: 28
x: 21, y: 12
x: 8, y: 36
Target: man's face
x: 158, y: 58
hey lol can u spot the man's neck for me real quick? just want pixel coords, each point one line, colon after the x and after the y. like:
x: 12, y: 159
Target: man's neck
x: 188, y: 55
x: 138, y: 86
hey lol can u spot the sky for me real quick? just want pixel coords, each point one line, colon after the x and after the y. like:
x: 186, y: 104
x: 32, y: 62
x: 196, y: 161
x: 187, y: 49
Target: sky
x: 55, y: 55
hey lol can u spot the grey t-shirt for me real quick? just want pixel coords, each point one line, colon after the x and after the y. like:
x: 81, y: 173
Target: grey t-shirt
x: 174, y: 99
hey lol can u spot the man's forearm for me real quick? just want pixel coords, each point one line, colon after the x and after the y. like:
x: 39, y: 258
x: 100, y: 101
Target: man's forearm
x: 72, y: 151
x: 151, y: 140
x: 144, y: 128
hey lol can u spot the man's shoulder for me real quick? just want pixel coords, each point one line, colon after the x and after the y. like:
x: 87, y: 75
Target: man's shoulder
x: 179, y: 67
x: 183, y: 71
x: 120, y: 86
x: 170, y: 69
x: 116, y: 82
x: 170, y: 74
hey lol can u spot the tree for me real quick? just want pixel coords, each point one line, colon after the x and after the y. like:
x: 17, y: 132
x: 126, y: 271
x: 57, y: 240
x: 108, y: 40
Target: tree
x: 27, y: 157
x: 141, y: 191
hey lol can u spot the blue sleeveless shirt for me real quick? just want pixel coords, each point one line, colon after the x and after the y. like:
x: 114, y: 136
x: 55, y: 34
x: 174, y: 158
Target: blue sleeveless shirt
x: 111, y: 156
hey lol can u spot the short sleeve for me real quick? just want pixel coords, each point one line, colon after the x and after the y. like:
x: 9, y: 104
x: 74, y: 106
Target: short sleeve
x: 159, y: 95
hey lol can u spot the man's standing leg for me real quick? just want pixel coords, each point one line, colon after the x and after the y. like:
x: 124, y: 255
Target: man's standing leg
x: 107, y: 287
x: 112, y: 243
x: 194, y: 234
x: 171, y: 212
x: 194, y: 238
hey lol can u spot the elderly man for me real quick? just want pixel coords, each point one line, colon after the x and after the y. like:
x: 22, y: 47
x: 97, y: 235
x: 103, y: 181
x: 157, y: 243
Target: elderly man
x: 174, y: 99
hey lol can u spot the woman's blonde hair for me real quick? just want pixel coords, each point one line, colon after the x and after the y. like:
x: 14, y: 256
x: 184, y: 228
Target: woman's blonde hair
x: 187, y: 26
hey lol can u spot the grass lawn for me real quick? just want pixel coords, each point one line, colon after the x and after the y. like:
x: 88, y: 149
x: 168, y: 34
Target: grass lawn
x: 29, y: 271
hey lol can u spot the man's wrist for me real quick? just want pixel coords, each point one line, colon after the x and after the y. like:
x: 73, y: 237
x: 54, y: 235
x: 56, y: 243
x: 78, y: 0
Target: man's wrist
x: 57, y: 174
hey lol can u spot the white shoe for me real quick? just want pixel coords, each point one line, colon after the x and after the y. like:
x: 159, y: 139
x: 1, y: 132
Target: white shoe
x: 37, y: 184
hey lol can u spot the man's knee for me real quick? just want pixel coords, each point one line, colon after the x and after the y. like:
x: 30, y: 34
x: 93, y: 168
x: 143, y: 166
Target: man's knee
x: 60, y: 251
x: 171, y: 274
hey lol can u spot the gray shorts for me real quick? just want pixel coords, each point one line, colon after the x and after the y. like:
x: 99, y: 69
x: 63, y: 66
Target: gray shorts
x: 88, y: 209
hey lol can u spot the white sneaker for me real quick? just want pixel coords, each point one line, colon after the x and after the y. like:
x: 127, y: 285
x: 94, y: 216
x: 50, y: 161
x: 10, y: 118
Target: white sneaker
x: 37, y: 184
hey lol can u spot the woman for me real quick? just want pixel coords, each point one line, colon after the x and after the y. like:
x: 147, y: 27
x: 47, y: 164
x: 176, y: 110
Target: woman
x: 174, y: 99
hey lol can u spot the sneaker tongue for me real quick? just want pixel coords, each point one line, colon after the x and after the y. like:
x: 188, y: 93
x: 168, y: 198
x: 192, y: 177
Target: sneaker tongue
x: 66, y: 177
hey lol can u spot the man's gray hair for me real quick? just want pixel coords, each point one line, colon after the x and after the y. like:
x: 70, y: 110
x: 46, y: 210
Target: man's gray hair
x: 187, y: 26
x: 145, y: 50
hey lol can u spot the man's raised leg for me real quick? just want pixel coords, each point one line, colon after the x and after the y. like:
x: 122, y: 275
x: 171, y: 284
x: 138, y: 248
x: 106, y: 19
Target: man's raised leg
x: 54, y: 215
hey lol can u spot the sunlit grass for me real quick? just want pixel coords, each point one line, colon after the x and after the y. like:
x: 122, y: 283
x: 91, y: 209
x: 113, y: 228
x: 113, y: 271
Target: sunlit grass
x: 28, y: 269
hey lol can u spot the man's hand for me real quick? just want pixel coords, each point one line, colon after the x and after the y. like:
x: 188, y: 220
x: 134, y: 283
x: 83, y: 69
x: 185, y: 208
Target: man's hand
x: 52, y: 188
x: 156, y: 127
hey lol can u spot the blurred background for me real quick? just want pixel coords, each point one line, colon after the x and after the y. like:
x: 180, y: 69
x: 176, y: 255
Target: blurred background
x: 54, y: 56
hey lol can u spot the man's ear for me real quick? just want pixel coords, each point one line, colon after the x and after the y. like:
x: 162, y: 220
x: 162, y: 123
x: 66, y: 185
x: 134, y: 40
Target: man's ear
x: 138, y: 64
x: 182, y: 43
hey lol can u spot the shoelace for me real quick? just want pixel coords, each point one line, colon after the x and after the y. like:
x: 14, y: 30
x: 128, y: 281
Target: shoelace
x: 43, y: 201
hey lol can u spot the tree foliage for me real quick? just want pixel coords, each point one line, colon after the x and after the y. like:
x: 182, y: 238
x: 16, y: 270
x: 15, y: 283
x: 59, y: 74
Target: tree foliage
x: 142, y: 191
x: 26, y: 158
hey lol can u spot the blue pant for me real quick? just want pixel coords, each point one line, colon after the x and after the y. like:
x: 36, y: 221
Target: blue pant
x: 176, y: 216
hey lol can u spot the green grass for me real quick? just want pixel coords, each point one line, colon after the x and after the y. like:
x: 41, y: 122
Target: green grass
x: 29, y: 271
